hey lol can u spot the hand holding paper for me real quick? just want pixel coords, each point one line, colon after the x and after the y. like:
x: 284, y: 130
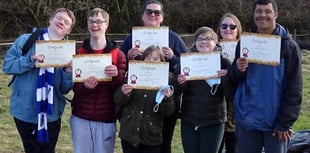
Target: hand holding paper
x: 111, y: 70
x: 126, y: 89
x: 91, y: 82
x: 242, y: 64
x: 133, y: 53
x: 181, y: 78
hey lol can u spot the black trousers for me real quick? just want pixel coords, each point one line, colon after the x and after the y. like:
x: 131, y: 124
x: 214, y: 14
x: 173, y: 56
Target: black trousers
x: 28, y: 134
x: 229, y: 139
x: 128, y: 148
x: 168, y: 128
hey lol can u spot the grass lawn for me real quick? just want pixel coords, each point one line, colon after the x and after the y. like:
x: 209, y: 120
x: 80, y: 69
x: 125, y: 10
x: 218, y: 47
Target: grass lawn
x: 11, y: 143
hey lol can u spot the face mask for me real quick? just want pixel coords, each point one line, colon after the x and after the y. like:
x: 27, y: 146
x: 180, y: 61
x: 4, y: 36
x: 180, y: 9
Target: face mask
x: 160, y: 96
x: 212, y: 82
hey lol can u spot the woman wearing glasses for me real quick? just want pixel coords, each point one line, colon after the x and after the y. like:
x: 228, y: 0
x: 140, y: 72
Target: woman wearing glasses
x: 203, y: 112
x: 229, y: 29
x: 153, y: 16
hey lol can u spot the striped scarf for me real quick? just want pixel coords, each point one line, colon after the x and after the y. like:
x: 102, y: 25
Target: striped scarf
x: 44, y: 97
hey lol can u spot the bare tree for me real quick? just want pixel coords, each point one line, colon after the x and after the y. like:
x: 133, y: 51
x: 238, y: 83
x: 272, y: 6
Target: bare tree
x: 180, y: 15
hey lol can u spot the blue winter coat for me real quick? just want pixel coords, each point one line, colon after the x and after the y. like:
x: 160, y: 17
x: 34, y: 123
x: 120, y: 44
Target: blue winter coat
x: 269, y: 97
x: 23, y: 104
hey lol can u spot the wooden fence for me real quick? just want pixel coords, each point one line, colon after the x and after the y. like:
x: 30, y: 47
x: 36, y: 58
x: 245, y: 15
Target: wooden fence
x: 303, y: 39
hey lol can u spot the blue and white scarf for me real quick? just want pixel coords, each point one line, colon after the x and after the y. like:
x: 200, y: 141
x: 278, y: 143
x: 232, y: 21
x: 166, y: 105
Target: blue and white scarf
x: 44, y: 97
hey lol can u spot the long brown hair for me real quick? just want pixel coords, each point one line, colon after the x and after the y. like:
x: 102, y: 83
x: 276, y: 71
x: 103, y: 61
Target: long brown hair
x: 235, y: 19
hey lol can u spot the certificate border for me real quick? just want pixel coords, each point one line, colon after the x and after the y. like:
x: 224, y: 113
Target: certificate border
x: 260, y: 35
x: 41, y: 65
x: 90, y: 55
x: 149, y: 62
x: 197, y: 54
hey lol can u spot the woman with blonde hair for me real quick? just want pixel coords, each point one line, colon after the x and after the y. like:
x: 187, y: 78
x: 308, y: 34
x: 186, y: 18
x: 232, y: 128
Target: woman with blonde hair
x: 229, y: 29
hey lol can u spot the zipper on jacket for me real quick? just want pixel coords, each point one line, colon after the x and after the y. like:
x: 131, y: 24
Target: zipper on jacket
x: 197, y: 127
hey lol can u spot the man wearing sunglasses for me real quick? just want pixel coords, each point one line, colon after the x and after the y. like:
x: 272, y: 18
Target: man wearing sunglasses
x: 268, y: 98
x: 153, y: 16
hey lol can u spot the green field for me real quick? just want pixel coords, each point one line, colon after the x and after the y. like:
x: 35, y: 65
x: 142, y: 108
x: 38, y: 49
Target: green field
x: 11, y: 143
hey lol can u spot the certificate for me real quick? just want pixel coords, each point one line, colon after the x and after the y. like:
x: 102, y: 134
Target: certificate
x: 229, y: 49
x: 148, y: 75
x: 261, y: 48
x: 85, y: 65
x: 143, y: 37
x: 200, y: 66
x: 55, y: 53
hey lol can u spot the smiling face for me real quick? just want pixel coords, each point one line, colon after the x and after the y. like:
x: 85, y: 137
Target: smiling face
x: 226, y: 32
x: 97, y: 25
x: 61, y: 24
x: 265, y: 18
x: 152, y: 15
x: 205, y: 42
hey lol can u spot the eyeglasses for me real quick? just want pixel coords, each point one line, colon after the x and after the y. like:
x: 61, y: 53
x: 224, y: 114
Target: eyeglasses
x: 231, y: 26
x: 207, y: 39
x: 149, y: 12
x: 98, y: 22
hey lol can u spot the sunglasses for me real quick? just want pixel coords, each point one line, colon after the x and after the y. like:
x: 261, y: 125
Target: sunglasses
x: 149, y: 12
x: 231, y: 26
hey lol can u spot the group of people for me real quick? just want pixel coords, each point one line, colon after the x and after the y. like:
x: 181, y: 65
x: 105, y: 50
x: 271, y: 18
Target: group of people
x: 248, y: 108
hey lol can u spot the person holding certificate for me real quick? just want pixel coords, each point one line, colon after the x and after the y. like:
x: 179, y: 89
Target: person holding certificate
x: 141, y: 123
x: 268, y: 97
x: 153, y: 16
x: 37, y: 101
x: 203, y: 111
x: 93, y: 119
x: 229, y: 29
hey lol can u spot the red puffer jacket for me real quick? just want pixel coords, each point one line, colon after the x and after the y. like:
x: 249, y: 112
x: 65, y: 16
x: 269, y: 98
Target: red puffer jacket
x: 97, y: 104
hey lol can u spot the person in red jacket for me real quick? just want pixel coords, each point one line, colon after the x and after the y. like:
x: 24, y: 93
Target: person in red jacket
x: 93, y: 120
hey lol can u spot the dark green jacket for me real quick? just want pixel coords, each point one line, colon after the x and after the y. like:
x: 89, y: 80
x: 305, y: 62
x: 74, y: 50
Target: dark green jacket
x: 139, y: 124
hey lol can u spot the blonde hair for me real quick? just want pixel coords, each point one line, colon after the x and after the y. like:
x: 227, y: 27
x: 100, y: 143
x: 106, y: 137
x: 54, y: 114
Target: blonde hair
x: 69, y: 12
x: 235, y: 19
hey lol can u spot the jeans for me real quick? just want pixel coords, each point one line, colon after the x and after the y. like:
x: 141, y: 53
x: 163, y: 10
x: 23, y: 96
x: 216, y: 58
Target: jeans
x: 205, y: 139
x: 254, y: 141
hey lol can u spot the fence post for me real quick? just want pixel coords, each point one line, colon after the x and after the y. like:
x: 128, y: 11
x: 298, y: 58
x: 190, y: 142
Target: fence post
x: 295, y: 33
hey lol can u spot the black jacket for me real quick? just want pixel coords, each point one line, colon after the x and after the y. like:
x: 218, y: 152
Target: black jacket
x: 199, y: 107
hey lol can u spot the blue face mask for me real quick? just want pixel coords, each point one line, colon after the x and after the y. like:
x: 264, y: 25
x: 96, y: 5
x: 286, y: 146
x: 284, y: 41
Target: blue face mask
x: 160, y: 96
x: 212, y: 82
